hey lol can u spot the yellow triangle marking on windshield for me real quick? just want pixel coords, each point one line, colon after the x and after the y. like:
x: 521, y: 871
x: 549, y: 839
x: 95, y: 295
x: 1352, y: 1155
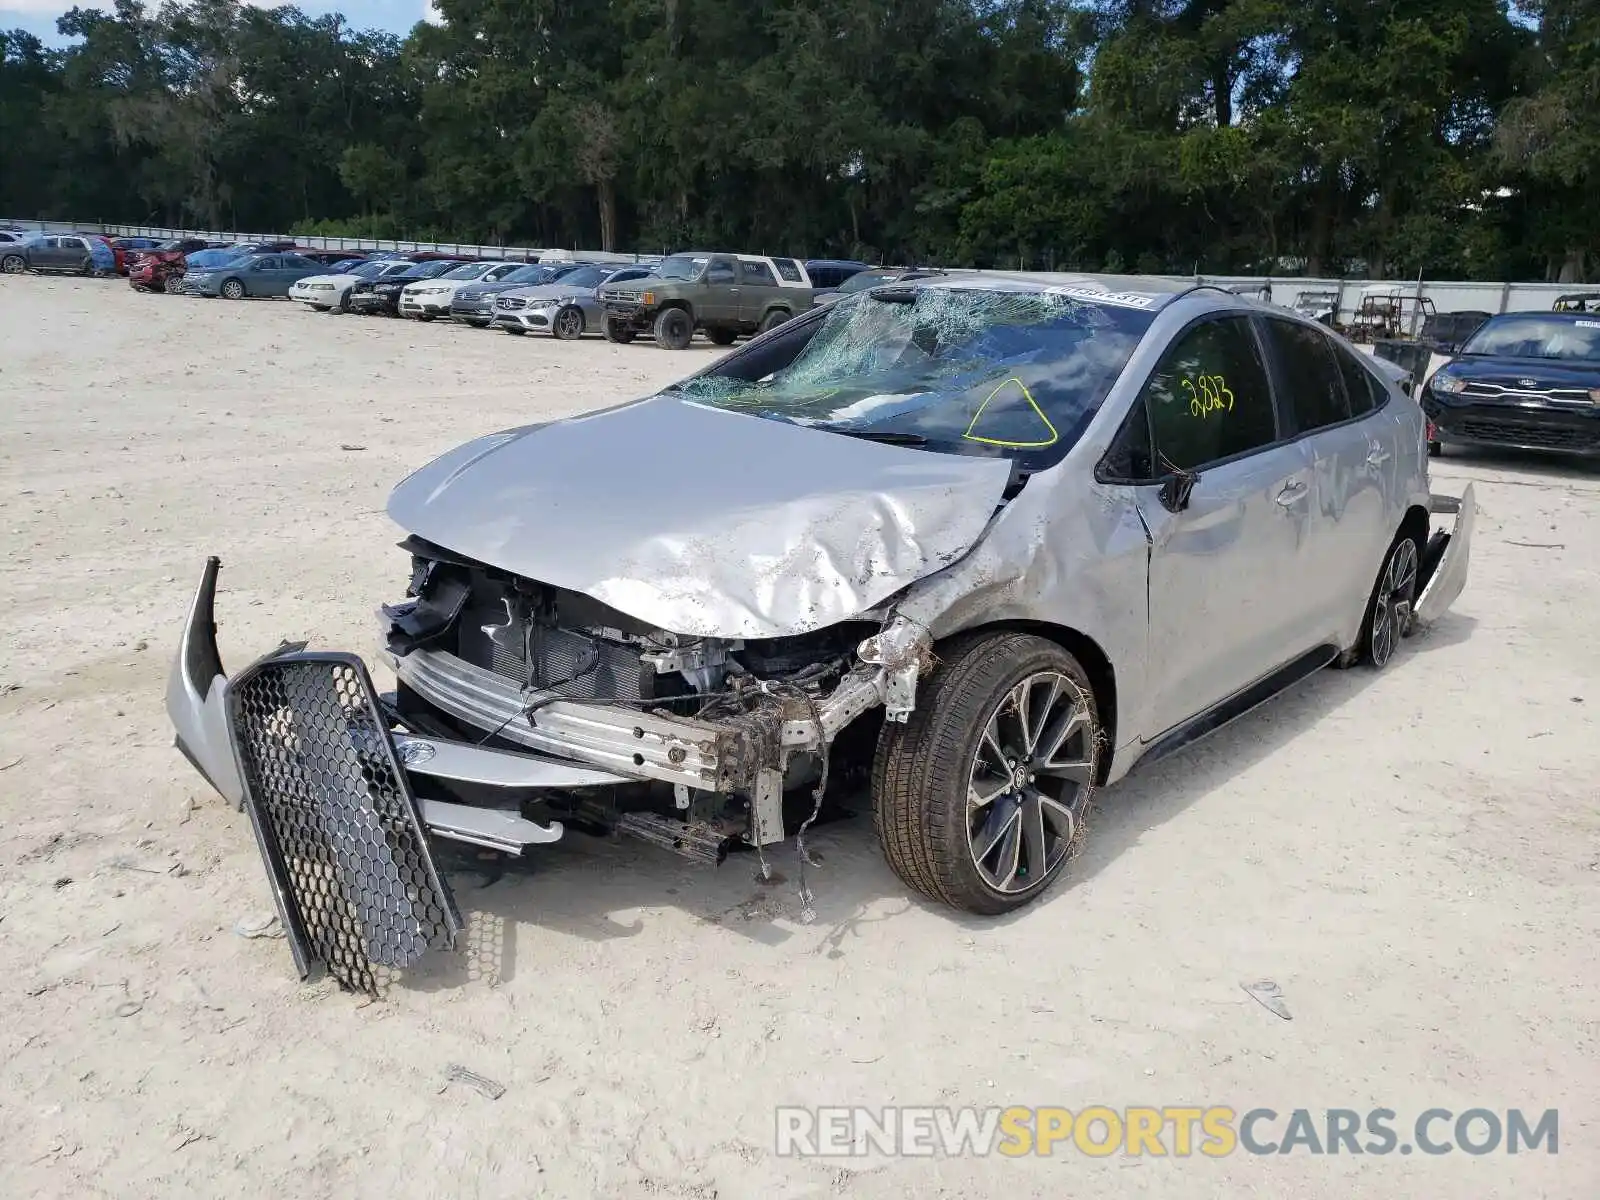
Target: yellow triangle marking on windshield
x: 1032, y: 403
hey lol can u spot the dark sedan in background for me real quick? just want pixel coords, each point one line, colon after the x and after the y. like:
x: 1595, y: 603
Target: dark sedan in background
x: 383, y: 296
x: 1524, y: 380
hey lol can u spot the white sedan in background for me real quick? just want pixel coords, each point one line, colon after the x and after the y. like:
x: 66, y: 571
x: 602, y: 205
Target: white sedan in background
x: 326, y: 292
x: 430, y: 298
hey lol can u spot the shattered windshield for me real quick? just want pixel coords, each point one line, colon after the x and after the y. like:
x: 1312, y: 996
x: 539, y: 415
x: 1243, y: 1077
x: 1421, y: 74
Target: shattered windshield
x: 973, y: 371
x: 681, y: 266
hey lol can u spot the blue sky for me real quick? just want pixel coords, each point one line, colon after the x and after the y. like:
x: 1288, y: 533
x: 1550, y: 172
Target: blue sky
x: 397, y: 16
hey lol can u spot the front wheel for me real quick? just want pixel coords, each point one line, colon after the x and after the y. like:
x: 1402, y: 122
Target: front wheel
x: 982, y: 797
x: 617, y: 332
x: 722, y: 337
x: 1393, y: 601
x: 232, y: 289
x: 568, y: 325
x: 674, y: 329
x: 171, y: 284
x: 12, y: 264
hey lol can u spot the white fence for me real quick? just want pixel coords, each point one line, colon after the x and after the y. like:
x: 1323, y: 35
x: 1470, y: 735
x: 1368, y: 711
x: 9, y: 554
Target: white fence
x: 1447, y: 296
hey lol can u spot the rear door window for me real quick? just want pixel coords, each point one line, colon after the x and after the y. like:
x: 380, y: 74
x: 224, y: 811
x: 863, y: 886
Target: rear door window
x: 1210, y: 399
x: 1312, y: 382
x: 757, y: 273
x: 1360, y: 385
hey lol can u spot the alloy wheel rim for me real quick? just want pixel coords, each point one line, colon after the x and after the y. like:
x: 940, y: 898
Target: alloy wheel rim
x: 1392, y: 616
x: 571, y: 323
x: 1030, y: 778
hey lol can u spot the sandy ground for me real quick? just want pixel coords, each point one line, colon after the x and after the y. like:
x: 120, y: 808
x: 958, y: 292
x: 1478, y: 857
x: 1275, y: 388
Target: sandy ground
x: 1412, y: 855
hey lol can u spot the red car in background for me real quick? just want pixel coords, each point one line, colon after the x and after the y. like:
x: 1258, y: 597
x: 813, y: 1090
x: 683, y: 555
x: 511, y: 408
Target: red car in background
x: 161, y: 270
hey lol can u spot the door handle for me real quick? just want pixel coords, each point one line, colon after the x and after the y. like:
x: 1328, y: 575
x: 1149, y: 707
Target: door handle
x: 1292, y: 493
x: 1377, y: 456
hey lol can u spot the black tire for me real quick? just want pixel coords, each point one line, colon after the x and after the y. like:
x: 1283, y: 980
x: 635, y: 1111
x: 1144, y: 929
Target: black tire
x: 1435, y: 449
x: 422, y: 316
x: 619, y: 333
x: 170, y: 283
x: 925, y: 770
x: 344, y: 302
x: 232, y: 289
x: 567, y: 324
x: 1392, y: 603
x: 722, y: 337
x: 12, y: 264
x: 772, y: 320
x: 674, y: 329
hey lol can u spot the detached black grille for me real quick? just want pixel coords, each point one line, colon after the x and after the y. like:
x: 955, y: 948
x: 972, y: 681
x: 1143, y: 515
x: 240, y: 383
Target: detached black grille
x: 335, y: 819
x: 1554, y: 437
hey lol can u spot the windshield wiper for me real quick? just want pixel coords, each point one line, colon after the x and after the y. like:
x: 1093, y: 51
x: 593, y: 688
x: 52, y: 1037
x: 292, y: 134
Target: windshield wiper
x: 888, y: 437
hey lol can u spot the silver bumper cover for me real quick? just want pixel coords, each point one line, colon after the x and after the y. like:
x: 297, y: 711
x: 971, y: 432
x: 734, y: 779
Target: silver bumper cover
x: 197, y: 694
x: 1446, y: 557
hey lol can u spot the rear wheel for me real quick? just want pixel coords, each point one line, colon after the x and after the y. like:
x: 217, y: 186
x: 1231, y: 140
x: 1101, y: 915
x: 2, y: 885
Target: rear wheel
x: 617, y: 332
x: 674, y: 330
x: 981, y: 798
x: 568, y: 324
x: 772, y: 320
x: 722, y: 337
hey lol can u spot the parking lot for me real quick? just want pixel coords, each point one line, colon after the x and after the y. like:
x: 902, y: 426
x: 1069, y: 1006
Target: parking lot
x: 1413, y: 856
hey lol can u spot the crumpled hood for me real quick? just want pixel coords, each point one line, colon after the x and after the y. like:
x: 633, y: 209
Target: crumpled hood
x: 703, y: 522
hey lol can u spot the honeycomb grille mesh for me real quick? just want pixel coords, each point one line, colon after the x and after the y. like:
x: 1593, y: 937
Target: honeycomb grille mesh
x: 336, y: 819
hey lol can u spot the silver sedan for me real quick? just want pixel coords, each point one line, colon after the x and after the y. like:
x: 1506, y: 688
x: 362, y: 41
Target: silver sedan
x: 989, y: 542
x: 565, y: 309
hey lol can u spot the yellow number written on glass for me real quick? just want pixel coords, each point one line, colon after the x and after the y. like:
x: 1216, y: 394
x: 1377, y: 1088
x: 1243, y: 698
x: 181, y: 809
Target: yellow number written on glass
x: 1207, y: 394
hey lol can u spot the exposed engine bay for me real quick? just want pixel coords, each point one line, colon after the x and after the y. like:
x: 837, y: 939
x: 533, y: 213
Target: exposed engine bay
x: 744, y: 723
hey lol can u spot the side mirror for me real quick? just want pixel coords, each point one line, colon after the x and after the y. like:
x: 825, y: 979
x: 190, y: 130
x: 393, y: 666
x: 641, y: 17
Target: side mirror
x: 1176, y: 489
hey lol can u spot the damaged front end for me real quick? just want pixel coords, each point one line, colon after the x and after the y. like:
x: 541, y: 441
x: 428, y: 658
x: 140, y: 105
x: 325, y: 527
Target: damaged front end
x: 520, y: 709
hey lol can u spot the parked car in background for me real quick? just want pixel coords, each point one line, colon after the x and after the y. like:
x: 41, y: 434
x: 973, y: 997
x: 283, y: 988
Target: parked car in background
x: 129, y: 249
x: 960, y: 547
x: 383, y: 295
x: 828, y: 273
x: 430, y: 298
x: 161, y: 269
x: 252, y: 276
x: 722, y: 295
x: 1527, y: 380
x: 875, y: 277
x: 567, y: 308
x: 473, y: 303
x: 14, y: 237
x: 52, y: 253
x: 331, y: 291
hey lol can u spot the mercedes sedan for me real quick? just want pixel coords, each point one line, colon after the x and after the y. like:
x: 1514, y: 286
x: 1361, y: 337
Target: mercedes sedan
x: 979, y: 544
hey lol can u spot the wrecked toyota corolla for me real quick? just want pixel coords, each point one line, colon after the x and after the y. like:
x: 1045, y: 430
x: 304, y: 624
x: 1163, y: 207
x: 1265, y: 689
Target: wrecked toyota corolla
x: 987, y: 542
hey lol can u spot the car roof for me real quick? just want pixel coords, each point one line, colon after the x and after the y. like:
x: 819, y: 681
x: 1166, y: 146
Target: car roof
x: 1568, y: 318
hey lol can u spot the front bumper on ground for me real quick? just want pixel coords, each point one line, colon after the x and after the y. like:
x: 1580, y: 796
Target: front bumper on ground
x: 1443, y: 569
x: 1562, y: 428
